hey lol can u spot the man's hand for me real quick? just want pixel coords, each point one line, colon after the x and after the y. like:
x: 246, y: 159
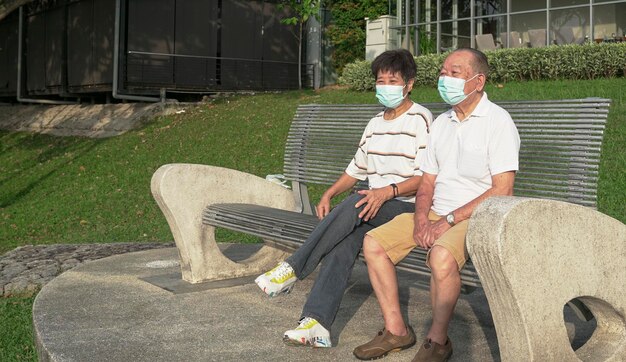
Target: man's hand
x: 323, y: 208
x: 373, y: 200
x: 426, y: 233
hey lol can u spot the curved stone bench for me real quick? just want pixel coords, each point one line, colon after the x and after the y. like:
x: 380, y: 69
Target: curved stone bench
x: 181, y: 192
x: 533, y: 256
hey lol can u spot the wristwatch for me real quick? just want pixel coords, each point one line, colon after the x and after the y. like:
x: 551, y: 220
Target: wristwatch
x: 450, y: 219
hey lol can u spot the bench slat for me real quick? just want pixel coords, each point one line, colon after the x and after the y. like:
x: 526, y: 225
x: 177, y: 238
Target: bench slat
x: 283, y: 227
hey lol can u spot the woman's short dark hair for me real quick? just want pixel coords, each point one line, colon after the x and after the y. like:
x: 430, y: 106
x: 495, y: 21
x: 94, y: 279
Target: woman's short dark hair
x: 395, y: 61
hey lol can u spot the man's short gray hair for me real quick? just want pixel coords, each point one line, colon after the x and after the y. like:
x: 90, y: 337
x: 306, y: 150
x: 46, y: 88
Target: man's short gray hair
x: 479, y: 62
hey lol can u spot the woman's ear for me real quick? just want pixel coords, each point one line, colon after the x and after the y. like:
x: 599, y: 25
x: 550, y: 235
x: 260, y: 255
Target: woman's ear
x: 409, y: 85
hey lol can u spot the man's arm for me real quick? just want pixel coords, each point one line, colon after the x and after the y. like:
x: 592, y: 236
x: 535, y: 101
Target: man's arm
x: 423, y: 202
x: 375, y: 198
x: 501, y: 185
x: 344, y: 183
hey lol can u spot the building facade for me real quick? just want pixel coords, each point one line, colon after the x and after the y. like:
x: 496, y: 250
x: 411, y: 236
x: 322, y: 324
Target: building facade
x: 63, y: 50
x: 435, y: 26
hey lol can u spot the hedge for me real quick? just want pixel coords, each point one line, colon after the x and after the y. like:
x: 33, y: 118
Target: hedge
x: 587, y: 61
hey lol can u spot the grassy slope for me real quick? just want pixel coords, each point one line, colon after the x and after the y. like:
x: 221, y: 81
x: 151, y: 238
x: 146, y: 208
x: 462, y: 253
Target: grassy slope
x: 75, y: 190
x: 58, y: 190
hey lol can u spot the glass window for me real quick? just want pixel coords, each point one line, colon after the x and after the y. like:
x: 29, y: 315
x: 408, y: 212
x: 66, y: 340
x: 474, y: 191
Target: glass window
x: 455, y: 34
x: 455, y: 9
x: 427, y: 39
x: 559, y: 3
x: 490, y: 7
x: 531, y: 28
x: 427, y: 11
x: 528, y: 5
x: 494, y: 26
x: 569, y: 26
x: 609, y: 22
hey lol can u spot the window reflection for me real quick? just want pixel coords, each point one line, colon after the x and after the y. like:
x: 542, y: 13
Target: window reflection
x: 609, y: 22
x: 528, y: 5
x: 455, y: 34
x: 569, y: 26
x: 532, y: 23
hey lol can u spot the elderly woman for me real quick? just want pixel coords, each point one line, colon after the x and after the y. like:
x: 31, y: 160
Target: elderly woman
x: 388, y: 156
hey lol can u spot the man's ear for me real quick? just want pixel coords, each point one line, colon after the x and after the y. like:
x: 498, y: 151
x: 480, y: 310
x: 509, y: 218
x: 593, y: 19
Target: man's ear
x: 482, y: 81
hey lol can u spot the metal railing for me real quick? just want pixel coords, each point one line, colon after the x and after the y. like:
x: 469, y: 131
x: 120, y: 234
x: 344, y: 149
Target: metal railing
x: 195, y: 72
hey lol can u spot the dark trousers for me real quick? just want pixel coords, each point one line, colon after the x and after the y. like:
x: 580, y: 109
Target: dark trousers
x: 336, y: 242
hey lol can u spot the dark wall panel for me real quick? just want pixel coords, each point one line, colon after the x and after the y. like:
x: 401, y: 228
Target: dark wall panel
x: 79, y: 42
x: 280, y: 50
x: 35, y: 53
x: 54, y: 25
x: 8, y: 55
x: 151, y: 29
x: 242, y: 39
x: 103, y: 34
x: 90, y: 44
x: 196, y: 35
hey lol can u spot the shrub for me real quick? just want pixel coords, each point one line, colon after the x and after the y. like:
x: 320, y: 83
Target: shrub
x: 358, y: 75
x: 588, y: 61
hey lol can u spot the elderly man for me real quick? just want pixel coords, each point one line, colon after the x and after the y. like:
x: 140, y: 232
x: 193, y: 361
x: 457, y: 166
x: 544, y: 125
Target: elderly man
x: 472, y: 154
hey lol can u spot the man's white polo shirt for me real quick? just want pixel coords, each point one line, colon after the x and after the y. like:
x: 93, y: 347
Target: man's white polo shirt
x: 465, y: 155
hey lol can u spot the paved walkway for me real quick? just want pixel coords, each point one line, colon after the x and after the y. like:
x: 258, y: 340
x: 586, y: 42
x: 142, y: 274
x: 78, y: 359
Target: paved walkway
x: 24, y: 270
x: 134, y: 307
x: 85, y: 120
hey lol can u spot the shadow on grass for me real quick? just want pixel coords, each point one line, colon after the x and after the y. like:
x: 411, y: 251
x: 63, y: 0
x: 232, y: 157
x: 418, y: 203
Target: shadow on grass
x: 51, y: 149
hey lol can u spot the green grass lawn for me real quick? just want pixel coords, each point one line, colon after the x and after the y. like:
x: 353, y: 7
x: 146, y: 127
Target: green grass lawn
x: 78, y: 190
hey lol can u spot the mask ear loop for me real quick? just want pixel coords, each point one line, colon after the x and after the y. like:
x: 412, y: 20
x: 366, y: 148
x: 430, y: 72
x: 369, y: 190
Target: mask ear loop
x: 472, y: 92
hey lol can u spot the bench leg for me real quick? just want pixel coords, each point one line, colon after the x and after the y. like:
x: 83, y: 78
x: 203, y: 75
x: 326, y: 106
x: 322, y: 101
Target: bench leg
x: 534, y: 256
x: 183, y: 191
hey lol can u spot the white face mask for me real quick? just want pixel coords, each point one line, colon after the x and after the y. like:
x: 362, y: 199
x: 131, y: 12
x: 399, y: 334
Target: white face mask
x: 390, y: 96
x: 451, y: 89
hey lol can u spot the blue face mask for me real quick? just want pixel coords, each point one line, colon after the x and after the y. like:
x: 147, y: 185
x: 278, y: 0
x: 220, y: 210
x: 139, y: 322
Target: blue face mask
x: 451, y: 89
x: 390, y: 96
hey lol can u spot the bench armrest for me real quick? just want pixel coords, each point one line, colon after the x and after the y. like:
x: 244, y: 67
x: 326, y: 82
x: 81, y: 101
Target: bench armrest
x: 535, y: 255
x: 183, y: 191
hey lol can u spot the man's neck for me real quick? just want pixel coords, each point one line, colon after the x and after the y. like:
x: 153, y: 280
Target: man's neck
x: 465, y: 108
x: 393, y: 113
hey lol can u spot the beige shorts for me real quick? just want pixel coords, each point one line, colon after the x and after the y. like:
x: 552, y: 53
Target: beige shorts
x: 396, y: 237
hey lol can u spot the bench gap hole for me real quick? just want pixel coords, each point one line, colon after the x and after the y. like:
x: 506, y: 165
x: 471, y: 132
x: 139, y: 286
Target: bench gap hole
x: 579, y: 330
x: 251, y: 243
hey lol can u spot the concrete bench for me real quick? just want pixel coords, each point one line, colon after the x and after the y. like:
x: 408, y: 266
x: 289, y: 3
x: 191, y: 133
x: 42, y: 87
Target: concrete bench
x: 559, y: 160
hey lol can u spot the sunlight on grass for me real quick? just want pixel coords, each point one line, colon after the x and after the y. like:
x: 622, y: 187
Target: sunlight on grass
x: 78, y: 190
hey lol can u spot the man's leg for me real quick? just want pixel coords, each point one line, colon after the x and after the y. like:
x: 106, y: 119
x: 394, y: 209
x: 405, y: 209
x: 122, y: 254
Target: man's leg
x: 382, y: 274
x: 383, y: 247
x: 445, y: 288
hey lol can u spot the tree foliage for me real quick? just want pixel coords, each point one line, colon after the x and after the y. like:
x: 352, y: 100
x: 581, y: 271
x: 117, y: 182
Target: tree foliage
x: 347, y: 29
x: 302, y: 10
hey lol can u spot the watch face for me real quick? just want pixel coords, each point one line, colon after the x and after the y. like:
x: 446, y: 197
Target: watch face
x: 450, y: 219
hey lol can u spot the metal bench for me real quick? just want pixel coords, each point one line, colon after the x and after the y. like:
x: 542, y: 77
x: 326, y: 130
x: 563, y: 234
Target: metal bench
x: 559, y: 160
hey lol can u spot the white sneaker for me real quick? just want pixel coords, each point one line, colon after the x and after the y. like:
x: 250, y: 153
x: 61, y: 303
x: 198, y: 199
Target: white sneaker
x: 308, y: 333
x: 278, y: 280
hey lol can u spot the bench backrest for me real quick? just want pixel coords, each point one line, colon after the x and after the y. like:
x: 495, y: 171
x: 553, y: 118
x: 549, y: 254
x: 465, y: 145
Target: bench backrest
x: 559, y: 156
